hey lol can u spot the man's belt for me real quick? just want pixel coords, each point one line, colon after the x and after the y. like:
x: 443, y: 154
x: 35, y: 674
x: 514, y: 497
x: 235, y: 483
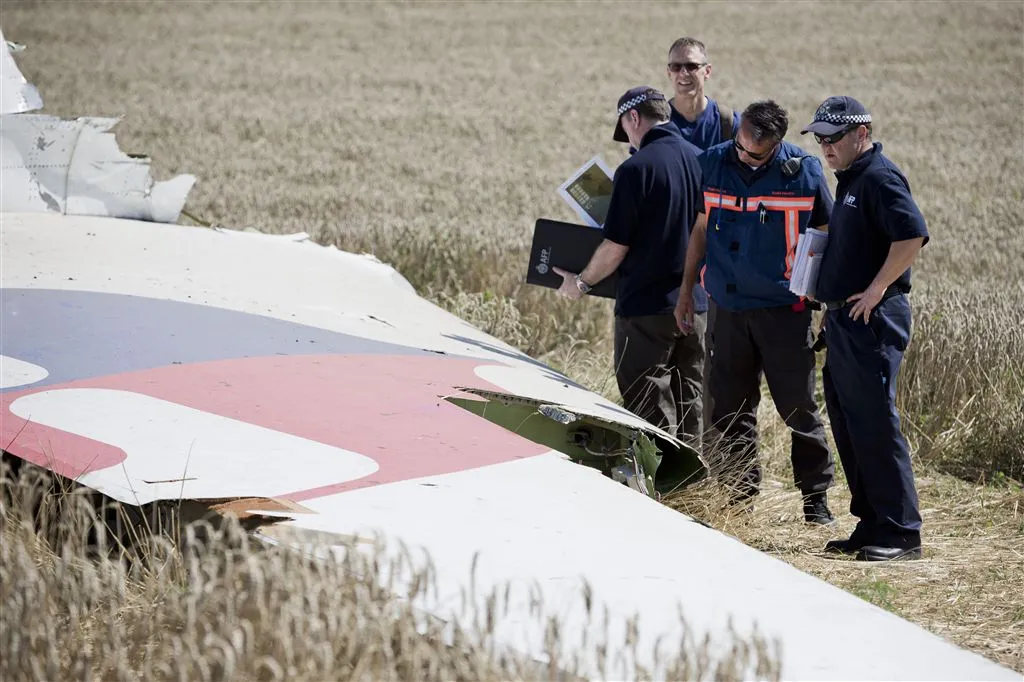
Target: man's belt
x: 893, y: 290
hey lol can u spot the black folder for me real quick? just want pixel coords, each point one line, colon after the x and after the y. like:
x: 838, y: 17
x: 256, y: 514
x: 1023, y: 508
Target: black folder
x: 568, y: 246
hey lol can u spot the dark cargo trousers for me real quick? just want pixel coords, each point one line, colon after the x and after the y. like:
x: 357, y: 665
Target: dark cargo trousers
x: 709, y: 354
x: 659, y: 372
x: 860, y: 371
x: 775, y: 342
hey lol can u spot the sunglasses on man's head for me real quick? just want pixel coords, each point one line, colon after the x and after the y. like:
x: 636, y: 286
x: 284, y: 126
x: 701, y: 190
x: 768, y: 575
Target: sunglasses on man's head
x: 834, y: 137
x: 690, y: 67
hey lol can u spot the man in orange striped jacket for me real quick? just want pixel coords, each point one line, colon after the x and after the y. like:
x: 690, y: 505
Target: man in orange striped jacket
x: 760, y: 194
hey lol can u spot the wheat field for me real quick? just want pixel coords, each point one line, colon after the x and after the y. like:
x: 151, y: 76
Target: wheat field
x: 434, y: 135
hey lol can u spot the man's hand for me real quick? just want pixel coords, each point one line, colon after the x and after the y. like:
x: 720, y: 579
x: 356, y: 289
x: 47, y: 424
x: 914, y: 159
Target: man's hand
x: 568, y: 288
x: 819, y: 343
x: 901, y: 256
x: 684, y: 313
x: 865, y: 302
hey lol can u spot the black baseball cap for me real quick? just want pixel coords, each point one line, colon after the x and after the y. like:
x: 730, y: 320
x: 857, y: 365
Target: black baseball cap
x: 835, y: 114
x: 630, y: 100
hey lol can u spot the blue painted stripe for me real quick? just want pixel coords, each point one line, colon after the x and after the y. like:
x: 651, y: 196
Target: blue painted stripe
x: 79, y: 334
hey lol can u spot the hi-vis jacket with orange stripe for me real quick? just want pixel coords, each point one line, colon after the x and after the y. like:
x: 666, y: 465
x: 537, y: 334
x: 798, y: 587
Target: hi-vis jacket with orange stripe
x: 753, y: 229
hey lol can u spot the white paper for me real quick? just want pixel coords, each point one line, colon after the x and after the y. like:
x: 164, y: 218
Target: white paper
x: 588, y: 191
x: 810, y: 248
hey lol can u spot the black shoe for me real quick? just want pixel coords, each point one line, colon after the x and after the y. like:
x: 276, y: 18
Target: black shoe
x: 848, y: 546
x: 816, y: 510
x: 877, y: 553
x: 742, y: 504
x: 743, y: 496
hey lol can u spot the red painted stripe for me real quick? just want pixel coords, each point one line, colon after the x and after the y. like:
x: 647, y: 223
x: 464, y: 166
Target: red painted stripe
x: 63, y: 453
x: 389, y: 408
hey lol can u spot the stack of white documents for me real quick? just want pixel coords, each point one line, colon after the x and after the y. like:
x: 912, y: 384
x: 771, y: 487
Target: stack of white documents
x: 810, y: 249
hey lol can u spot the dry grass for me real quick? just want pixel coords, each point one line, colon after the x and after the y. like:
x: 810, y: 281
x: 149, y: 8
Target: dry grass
x: 434, y: 135
x: 968, y: 587
x: 201, y: 600
x: 962, y: 385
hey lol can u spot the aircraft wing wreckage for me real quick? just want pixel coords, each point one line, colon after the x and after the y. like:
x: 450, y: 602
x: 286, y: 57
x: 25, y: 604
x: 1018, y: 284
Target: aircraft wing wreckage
x: 73, y: 167
x: 17, y: 95
x: 159, y: 362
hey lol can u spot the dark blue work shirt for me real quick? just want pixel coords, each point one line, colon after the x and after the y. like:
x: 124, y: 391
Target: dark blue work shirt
x: 755, y: 219
x: 873, y: 209
x: 655, y: 198
x: 706, y: 131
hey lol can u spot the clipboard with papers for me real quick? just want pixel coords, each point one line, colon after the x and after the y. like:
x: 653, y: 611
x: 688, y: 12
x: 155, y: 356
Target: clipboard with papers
x: 588, y: 191
x: 568, y: 246
x: 810, y: 249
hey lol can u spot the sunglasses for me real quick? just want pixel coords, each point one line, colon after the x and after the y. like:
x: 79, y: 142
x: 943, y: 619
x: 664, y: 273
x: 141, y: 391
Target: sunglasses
x: 756, y: 157
x: 834, y: 137
x: 676, y: 67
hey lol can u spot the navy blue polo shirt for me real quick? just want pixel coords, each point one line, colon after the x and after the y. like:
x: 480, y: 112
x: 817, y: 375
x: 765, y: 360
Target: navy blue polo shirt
x: 873, y: 209
x: 706, y: 131
x: 655, y: 198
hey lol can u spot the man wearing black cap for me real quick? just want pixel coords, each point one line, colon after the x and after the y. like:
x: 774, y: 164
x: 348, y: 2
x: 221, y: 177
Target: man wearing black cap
x: 655, y: 198
x: 760, y: 194
x: 875, y: 234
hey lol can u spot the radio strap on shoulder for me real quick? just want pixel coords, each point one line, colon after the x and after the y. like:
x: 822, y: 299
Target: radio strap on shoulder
x: 725, y: 114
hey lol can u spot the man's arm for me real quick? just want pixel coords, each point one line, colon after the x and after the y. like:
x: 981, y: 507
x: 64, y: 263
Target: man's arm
x: 901, y: 220
x: 823, y: 202
x: 695, y: 252
x: 694, y: 255
x: 901, y: 256
x: 606, y: 260
x: 619, y: 225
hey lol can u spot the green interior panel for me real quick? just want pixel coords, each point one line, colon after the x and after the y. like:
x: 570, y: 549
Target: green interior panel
x: 584, y: 439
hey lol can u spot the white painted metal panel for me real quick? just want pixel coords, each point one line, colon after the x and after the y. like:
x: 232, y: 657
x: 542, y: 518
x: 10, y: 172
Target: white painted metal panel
x: 52, y: 165
x: 178, y: 451
x: 16, y: 94
x: 532, y: 516
x: 549, y: 522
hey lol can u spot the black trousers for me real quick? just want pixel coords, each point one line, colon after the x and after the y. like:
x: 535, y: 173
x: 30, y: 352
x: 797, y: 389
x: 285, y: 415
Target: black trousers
x: 775, y: 342
x: 861, y: 366
x: 709, y: 355
x: 660, y: 372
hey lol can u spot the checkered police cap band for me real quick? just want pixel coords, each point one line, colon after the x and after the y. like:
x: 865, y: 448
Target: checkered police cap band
x: 637, y: 96
x: 630, y: 103
x: 631, y: 99
x: 843, y: 118
x: 837, y: 113
x: 842, y: 111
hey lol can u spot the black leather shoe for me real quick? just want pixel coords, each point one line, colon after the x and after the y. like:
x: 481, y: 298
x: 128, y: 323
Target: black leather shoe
x: 848, y: 546
x: 743, y: 498
x: 816, y: 510
x: 743, y: 506
x: 876, y: 553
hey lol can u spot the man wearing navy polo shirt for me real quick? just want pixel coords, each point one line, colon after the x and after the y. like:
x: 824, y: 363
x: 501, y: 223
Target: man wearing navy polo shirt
x: 655, y: 198
x: 701, y: 120
x: 875, y: 234
x: 704, y: 123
